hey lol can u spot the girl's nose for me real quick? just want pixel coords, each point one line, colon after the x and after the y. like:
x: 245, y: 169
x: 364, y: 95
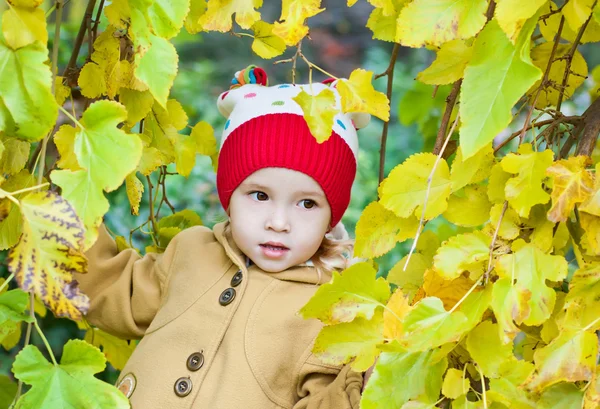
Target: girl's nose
x: 278, y: 221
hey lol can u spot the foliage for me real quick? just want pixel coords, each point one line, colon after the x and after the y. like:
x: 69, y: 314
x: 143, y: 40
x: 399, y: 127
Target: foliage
x: 492, y: 225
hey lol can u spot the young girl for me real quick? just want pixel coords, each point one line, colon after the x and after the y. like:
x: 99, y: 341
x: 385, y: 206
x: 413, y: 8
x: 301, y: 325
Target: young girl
x: 218, y: 309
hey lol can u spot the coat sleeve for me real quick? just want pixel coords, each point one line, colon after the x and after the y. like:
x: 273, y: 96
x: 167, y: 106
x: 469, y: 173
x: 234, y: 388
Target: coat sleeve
x: 125, y: 289
x: 327, y: 387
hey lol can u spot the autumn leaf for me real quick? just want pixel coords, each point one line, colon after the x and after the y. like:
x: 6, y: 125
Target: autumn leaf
x: 157, y: 68
x: 513, y: 14
x: 576, y: 12
x: 472, y: 170
x: 592, y: 204
x: 571, y: 184
x: 218, y: 15
x: 358, y: 95
x: 266, y: 44
x: 455, y: 384
x: 75, y: 375
x: 449, y: 291
x: 396, y: 309
x: 117, y: 351
x: 583, y: 299
x: 15, y: 155
x: 137, y: 103
x: 449, y: 65
x: 49, y: 252
x: 192, y: 21
x: 22, y: 26
x: 134, y: 189
x: 483, y: 339
x: 509, y: 305
x: 468, y: 207
x: 463, y: 252
x: 318, y: 111
x: 294, y: 13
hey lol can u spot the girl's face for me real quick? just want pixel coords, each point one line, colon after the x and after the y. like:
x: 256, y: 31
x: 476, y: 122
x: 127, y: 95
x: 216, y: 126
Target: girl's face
x: 278, y: 218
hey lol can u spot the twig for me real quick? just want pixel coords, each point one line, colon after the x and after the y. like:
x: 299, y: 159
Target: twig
x: 552, y: 122
x: 151, y: 204
x: 429, y: 182
x: 27, y: 337
x: 569, y: 57
x: 486, y: 275
x: 293, y: 60
x: 79, y: 40
x: 464, y: 297
x: 97, y: 20
x: 390, y: 74
x: 450, y: 102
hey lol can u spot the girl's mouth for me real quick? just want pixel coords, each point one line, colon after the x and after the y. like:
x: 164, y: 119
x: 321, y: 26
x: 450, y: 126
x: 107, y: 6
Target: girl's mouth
x: 274, y: 251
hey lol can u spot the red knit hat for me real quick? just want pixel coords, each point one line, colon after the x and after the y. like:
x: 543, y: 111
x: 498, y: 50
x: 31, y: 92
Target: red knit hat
x: 266, y: 128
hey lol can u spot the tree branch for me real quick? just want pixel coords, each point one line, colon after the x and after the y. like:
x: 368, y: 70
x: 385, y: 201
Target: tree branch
x: 450, y: 102
x: 70, y: 69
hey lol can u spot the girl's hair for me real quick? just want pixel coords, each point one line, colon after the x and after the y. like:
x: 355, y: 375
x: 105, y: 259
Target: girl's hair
x: 333, y: 254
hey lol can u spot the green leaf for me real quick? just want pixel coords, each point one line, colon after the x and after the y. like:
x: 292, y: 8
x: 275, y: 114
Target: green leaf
x: 8, y: 390
x: 509, y: 305
x: 455, y: 384
x: 563, y: 396
x: 462, y: 252
x: 438, y: 21
x: 157, y: 68
x: 49, y: 252
x: 117, y: 351
x: 72, y: 382
x: 569, y: 357
x: 28, y: 109
x: 12, y: 311
x: 167, y: 16
x: 405, y: 188
x: 525, y: 190
x: 429, y: 325
x: 337, y: 344
x: 411, y: 279
x: 401, y: 375
x: 531, y: 267
x: 484, y: 339
x: 495, y: 79
x: 449, y: 65
x: 505, y: 392
x: 354, y: 293
x: 182, y: 220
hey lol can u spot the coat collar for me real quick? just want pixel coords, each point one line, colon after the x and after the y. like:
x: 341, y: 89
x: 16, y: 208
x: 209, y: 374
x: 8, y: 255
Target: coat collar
x: 304, y: 273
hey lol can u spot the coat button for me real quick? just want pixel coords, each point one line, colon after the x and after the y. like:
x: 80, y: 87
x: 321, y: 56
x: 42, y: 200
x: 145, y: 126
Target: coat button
x: 195, y: 361
x: 227, y: 296
x: 183, y: 387
x: 237, y: 279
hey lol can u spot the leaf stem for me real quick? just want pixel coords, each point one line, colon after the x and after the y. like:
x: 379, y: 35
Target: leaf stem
x: 16, y: 192
x: 493, y: 243
x: 71, y: 117
x: 483, y: 387
x: 41, y: 334
x: 6, y: 282
x: 429, y: 182
x: 591, y: 324
x: 464, y: 297
x: 9, y: 197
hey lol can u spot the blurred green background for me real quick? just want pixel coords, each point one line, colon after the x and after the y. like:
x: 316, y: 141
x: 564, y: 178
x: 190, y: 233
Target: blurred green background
x: 339, y: 43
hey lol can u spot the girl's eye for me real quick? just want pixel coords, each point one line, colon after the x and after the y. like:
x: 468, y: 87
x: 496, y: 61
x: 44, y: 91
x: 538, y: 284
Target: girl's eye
x: 260, y: 196
x: 309, y: 204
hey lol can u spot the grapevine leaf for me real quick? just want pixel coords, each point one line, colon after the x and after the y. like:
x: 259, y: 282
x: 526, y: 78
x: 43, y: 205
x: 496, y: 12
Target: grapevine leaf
x: 29, y: 109
x: 472, y: 170
x: 354, y: 293
x: 439, y: 21
x: 569, y: 357
x: 397, y: 308
x: 22, y: 26
x: 572, y: 184
x: 182, y: 220
x: 192, y: 21
x: 64, y: 139
x: 218, y: 15
x: 525, y: 190
x: 8, y: 390
x: 137, y: 103
x: 378, y: 230
x: 13, y: 304
x: 266, y: 44
x: 117, y: 351
x: 410, y: 280
x: 449, y: 291
x: 167, y: 16
x: 15, y: 155
x: 541, y: 56
x: 401, y: 375
x: 497, y: 184
x: 576, y: 12
x: 461, y: 253
x: 563, y: 395
x: 204, y: 135
x: 429, y: 325
x: 503, y: 391
x: 358, y: 95
x: 495, y: 79
x: 531, y: 267
x: 509, y: 305
x: 584, y: 296
x: 291, y: 26
x: 592, y: 204
x: 483, y: 339
x: 318, y: 111
x: 405, y: 188
x: 510, y: 224
x: 157, y: 68
x: 550, y: 27
x: 337, y: 344
x: 72, y: 382
x: 468, y: 207
x: 134, y: 189
x: 449, y: 65
x: 455, y: 384
x: 49, y: 252
x: 513, y: 14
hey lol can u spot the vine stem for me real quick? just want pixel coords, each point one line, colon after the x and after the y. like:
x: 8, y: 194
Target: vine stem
x: 41, y: 334
x: 390, y: 82
x: 429, y: 182
x: 5, y: 283
x: 450, y: 102
x: 71, y: 117
x: 80, y: 35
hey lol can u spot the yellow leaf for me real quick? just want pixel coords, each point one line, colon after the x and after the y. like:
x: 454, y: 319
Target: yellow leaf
x: 218, y: 15
x: 378, y: 231
x: 150, y: 161
x: 64, y: 139
x: 192, y: 21
x: 449, y: 291
x: 497, y: 183
x: 510, y: 224
x: 410, y: 281
x: 290, y: 26
x: 116, y: 350
x: 318, y: 111
x: 266, y: 44
x: 469, y: 207
x: 540, y: 56
x: 134, y: 188
x: 22, y: 26
x: 455, y: 384
x: 512, y: 15
x: 405, y: 188
x: 177, y: 116
x: 204, y: 136
x: 439, y: 21
x: 137, y: 103
x: 449, y: 65
x: 576, y: 12
x: 383, y: 26
x: 572, y: 184
x: 61, y: 91
x: 396, y: 310
x: 509, y: 305
x: 472, y: 170
x: 591, y: 399
x: 92, y: 81
x: 358, y: 95
x: 463, y: 252
x: 550, y: 27
x: 592, y: 204
x: 49, y: 251
x: 525, y: 190
x: 15, y: 155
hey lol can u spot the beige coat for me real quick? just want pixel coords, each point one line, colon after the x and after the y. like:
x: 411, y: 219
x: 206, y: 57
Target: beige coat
x: 253, y: 352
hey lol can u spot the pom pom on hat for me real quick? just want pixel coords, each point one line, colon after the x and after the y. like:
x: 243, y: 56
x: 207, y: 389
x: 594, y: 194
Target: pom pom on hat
x: 265, y: 127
